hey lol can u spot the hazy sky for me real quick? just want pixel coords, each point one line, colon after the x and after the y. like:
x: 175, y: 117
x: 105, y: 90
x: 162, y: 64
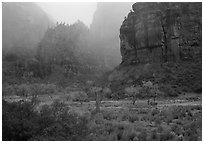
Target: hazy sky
x: 70, y: 12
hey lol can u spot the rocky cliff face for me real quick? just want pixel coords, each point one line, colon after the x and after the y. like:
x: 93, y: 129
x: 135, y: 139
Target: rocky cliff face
x: 155, y: 32
x: 161, y: 42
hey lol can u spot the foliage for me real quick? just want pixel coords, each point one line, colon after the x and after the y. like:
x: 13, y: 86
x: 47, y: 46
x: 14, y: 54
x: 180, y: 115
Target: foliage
x: 107, y: 92
x: 18, y: 121
x: 80, y: 96
x: 134, y: 92
x: 22, y: 122
x: 8, y: 90
x: 30, y: 89
x: 58, y: 122
x: 66, y: 46
x: 150, y: 90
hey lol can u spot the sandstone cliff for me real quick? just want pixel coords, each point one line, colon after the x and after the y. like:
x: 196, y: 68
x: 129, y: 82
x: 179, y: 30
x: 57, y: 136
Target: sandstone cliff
x: 155, y: 32
x: 161, y: 42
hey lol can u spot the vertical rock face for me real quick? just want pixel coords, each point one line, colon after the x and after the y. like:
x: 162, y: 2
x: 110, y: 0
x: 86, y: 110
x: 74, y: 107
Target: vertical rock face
x: 160, y: 42
x: 105, y: 31
x: 154, y: 32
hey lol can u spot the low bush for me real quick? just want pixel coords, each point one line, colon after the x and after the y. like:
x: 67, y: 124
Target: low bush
x: 108, y: 115
x: 154, y: 135
x: 166, y: 136
x: 21, y: 123
x: 80, y: 96
x: 169, y: 91
x: 158, y: 120
x: 133, y: 118
x: 48, y: 88
x: 29, y: 89
x: 107, y: 92
x: 22, y: 90
x: 155, y: 112
x: 143, y: 111
x: 176, y: 129
x: 143, y: 135
x: 7, y: 90
x: 56, y: 122
x: 128, y: 134
x: 18, y: 121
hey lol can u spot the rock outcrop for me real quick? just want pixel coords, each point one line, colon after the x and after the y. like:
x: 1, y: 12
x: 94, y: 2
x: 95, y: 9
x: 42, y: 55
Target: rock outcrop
x: 160, y: 42
x: 153, y: 32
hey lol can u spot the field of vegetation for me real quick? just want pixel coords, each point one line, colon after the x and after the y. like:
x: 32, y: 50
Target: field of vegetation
x: 45, y: 112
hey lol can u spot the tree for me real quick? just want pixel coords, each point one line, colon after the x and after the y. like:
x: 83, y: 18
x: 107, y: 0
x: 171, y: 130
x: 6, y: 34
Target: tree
x: 107, y: 92
x: 134, y: 92
x: 96, y: 90
x: 35, y: 91
x: 147, y: 87
x: 154, y: 91
x: 151, y: 90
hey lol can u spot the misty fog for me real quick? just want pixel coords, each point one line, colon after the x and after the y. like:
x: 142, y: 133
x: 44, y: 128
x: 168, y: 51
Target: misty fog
x: 105, y: 71
x: 25, y: 24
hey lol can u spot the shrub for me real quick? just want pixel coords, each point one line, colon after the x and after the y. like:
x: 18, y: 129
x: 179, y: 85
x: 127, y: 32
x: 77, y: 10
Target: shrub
x: 80, y: 96
x: 33, y: 89
x: 48, y: 88
x: 145, y: 118
x: 150, y: 90
x: 142, y: 135
x: 158, y: 120
x: 154, y: 136
x: 133, y: 118
x: 21, y: 122
x: 46, y: 118
x: 22, y: 90
x: 176, y: 128
x: 110, y: 127
x: 166, y: 136
x: 107, y: 92
x: 160, y: 129
x: 98, y: 118
x: 18, y: 121
x: 108, y: 115
x: 191, y: 131
x: 128, y: 134
x: 134, y: 92
x: 155, y: 112
x: 143, y: 111
x: 8, y: 90
x: 169, y: 91
x: 125, y: 116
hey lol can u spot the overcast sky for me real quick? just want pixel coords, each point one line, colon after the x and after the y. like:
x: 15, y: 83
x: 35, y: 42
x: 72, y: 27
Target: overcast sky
x: 70, y: 12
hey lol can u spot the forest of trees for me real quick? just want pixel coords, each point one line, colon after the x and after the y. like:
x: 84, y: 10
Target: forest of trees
x: 65, y: 49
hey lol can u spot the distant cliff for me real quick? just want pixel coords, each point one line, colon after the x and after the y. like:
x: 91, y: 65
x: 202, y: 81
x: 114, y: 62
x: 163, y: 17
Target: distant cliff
x: 105, y: 31
x: 23, y: 25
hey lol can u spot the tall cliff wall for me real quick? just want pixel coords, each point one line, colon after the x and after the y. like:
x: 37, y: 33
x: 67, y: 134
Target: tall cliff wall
x: 161, y: 42
x: 155, y: 32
